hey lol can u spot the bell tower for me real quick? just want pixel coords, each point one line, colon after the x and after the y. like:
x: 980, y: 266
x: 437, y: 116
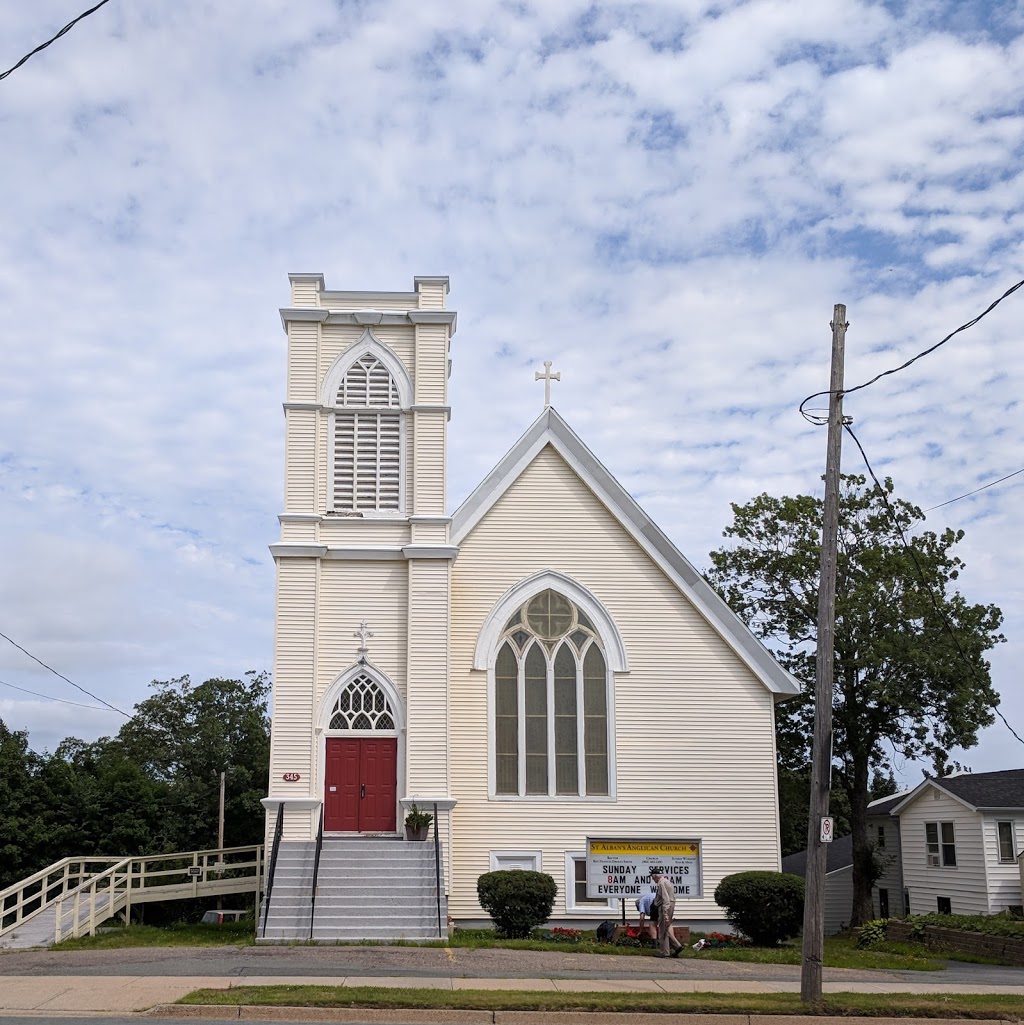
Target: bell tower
x: 363, y: 592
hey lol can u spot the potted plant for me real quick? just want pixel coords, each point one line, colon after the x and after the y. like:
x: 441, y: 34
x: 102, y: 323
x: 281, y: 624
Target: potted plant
x: 417, y: 823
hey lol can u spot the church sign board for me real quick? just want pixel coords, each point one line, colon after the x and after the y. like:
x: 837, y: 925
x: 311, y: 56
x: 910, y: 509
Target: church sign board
x: 622, y: 868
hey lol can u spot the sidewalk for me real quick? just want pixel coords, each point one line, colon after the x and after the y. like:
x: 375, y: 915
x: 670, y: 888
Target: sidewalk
x: 135, y: 993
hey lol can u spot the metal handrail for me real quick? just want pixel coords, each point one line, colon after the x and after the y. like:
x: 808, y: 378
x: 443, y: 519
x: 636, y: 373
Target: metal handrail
x: 316, y: 870
x: 278, y: 830
x: 437, y: 873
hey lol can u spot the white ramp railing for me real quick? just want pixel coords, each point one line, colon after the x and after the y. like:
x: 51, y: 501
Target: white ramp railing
x: 157, y: 877
x: 27, y: 898
x: 85, y: 892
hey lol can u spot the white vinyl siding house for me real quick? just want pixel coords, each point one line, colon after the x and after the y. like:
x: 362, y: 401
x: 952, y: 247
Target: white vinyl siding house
x: 970, y: 819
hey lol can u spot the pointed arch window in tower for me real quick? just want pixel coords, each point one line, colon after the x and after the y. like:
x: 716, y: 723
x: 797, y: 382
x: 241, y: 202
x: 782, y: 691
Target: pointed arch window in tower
x: 550, y: 703
x: 367, y: 439
x: 362, y: 705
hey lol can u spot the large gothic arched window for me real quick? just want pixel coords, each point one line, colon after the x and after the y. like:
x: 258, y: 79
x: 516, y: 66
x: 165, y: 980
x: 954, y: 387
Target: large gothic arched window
x: 550, y: 702
x: 366, y: 457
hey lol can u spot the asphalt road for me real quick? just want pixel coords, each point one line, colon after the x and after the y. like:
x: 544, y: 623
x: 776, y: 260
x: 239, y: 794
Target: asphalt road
x: 440, y: 963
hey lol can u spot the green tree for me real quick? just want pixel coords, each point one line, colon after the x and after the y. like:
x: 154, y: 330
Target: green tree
x: 23, y: 839
x: 183, y: 736
x: 901, y: 686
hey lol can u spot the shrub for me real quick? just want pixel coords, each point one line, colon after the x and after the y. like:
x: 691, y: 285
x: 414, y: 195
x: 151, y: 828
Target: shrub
x: 872, y: 933
x: 517, y: 900
x: 766, y: 906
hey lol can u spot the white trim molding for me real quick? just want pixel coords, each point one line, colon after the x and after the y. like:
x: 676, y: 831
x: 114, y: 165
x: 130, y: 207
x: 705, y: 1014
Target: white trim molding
x: 590, y: 908
x: 550, y: 429
x: 519, y: 594
x: 536, y: 856
x: 415, y: 551
x: 366, y: 343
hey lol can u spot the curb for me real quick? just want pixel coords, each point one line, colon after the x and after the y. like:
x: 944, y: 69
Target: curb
x: 398, y: 1016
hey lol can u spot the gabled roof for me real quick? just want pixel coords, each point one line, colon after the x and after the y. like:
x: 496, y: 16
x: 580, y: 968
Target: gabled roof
x: 838, y: 855
x: 885, y: 805
x: 550, y: 429
x: 979, y: 791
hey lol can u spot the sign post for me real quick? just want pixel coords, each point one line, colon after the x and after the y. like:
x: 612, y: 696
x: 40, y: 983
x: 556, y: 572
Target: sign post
x: 622, y: 867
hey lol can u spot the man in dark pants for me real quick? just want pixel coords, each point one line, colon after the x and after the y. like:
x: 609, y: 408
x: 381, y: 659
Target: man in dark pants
x: 665, y: 902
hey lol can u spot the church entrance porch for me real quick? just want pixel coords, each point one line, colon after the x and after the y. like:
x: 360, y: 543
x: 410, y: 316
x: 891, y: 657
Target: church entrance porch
x: 360, y: 785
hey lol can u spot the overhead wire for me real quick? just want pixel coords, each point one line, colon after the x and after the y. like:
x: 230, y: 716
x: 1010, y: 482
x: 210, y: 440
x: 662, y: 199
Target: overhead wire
x: 42, y: 46
x: 924, y: 580
x: 820, y: 420
x: 50, y: 697
x: 95, y: 697
x: 990, y: 484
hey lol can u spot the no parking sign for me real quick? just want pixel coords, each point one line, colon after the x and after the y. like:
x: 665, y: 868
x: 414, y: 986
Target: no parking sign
x: 828, y: 829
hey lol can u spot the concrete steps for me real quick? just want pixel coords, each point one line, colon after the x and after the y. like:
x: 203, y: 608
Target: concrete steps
x: 367, y: 889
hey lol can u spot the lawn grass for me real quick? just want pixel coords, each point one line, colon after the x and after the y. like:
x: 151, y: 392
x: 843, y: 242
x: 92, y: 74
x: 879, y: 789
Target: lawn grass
x: 882, y: 1005
x: 840, y: 952
x: 180, y: 934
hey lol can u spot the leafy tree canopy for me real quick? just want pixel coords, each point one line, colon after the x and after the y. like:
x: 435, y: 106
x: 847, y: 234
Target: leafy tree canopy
x: 903, y: 687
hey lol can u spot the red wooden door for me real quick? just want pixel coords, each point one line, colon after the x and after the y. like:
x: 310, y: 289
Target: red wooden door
x: 360, y: 785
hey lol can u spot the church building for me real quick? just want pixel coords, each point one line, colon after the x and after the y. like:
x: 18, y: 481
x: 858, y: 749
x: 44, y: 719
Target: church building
x: 539, y: 666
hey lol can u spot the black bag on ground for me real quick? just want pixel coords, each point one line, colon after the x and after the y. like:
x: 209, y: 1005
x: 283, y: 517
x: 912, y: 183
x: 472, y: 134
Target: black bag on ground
x: 604, y: 932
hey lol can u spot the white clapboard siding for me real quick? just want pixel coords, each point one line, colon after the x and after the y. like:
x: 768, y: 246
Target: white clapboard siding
x: 431, y: 364
x: 336, y: 339
x: 429, y: 462
x: 891, y: 879
x: 1004, y: 889
x: 290, y: 750
x: 427, y: 742
x: 300, y: 454
x: 369, y: 300
x: 431, y: 296
x: 354, y: 590
x: 963, y: 884
x: 303, y: 379
x: 711, y: 772
x: 838, y: 900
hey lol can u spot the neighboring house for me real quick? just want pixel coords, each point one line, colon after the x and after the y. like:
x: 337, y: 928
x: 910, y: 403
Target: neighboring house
x: 886, y: 894
x: 887, y: 897
x: 838, y: 880
x: 543, y: 664
x: 960, y: 840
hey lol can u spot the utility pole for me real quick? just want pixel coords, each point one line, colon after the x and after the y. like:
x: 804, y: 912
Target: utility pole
x: 220, y: 834
x: 821, y: 752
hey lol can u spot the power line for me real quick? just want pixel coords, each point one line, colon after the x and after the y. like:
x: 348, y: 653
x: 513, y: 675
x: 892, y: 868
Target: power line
x: 95, y: 697
x: 42, y: 46
x: 924, y: 579
x: 49, y: 697
x: 990, y: 484
x: 815, y: 418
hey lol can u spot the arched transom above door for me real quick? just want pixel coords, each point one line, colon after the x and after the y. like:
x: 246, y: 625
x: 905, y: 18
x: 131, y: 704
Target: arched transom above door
x: 362, y: 705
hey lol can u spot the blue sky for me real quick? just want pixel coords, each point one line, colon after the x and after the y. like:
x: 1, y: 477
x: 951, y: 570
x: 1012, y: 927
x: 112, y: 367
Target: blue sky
x: 665, y: 199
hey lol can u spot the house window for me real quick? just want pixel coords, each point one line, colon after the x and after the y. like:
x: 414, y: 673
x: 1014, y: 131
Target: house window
x: 883, y: 903
x: 1007, y: 848
x: 550, y: 703
x: 881, y: 838
x: 530, y: 861
x: 944, y: 905
x: 576, y: 898
x: 367, y: 441
x: 940, y: 841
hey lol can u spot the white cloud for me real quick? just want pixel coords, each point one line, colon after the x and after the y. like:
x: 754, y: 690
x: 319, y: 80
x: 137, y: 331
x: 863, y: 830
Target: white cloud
x: 665, y: 199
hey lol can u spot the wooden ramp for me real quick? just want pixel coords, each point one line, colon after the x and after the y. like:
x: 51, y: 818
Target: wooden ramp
x: 75, y: 895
